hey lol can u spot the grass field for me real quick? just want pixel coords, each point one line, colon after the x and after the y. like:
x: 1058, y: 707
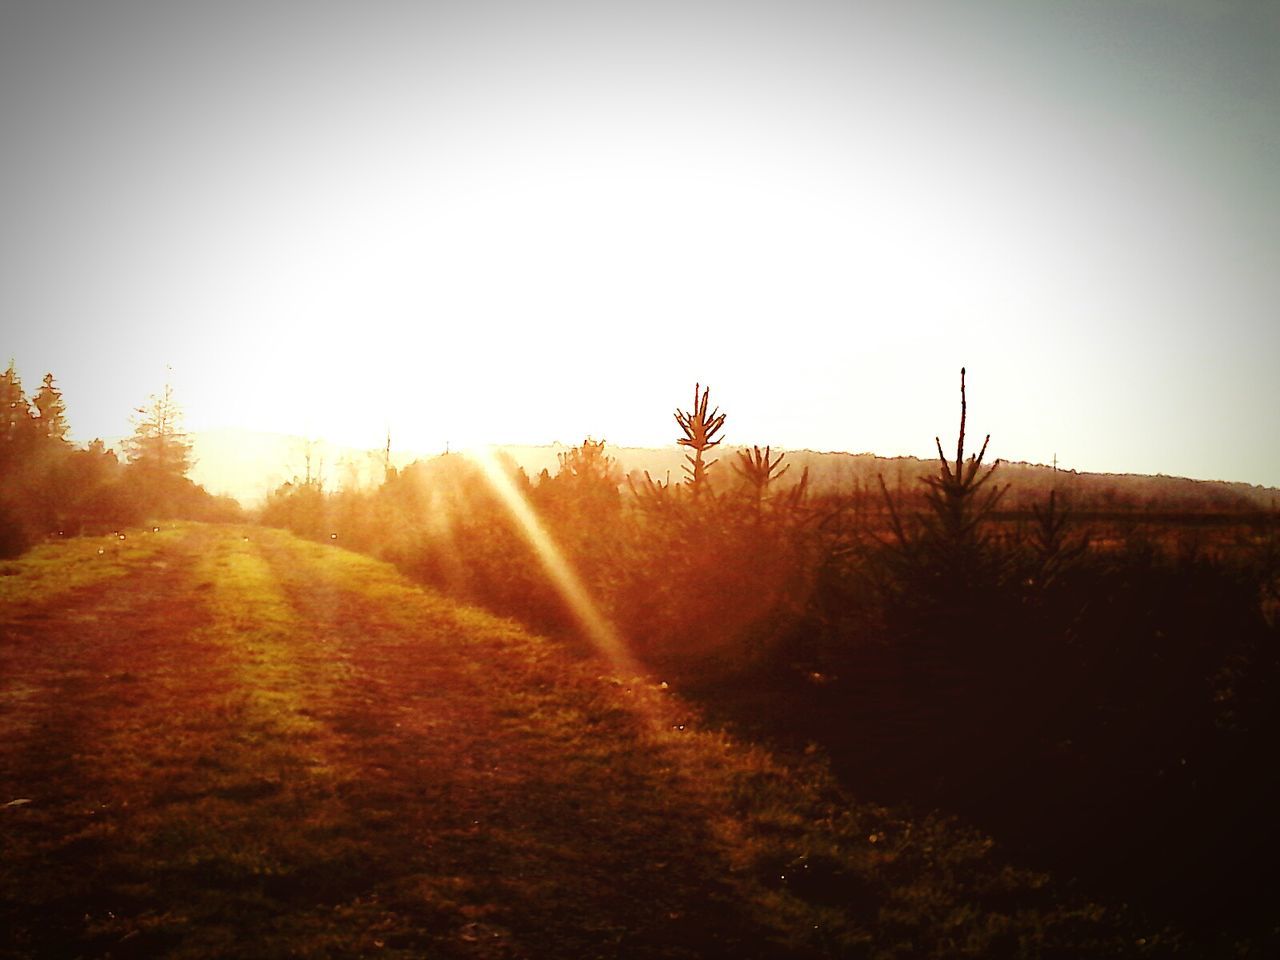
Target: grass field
x: 221, y: 741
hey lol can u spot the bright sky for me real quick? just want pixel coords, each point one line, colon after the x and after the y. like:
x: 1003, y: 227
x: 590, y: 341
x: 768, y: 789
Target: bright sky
x: 526, y: 222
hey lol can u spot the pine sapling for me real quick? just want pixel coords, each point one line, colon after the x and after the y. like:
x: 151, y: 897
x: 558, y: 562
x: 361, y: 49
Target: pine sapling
x: 700, y: 429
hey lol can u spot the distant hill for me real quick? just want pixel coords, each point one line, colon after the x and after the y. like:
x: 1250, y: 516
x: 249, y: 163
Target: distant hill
x: 837, y: 472
x: 247, y: 465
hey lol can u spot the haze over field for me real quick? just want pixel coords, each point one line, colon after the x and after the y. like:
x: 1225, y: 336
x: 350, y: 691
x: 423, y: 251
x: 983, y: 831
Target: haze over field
x: 248, y: 466
x: 498, y: 222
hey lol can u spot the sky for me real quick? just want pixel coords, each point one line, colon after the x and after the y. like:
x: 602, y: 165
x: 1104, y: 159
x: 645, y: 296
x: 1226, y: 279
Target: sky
x: 529, y: 222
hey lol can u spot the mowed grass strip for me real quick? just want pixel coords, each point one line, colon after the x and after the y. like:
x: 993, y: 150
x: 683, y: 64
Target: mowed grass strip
x: 60, y: 582
x: 173, y: 797
x: 279, y: 748
x: 115, y: 718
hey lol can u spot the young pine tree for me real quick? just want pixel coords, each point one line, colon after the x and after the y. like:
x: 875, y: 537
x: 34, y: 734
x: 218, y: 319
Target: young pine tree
x: 700, y: 429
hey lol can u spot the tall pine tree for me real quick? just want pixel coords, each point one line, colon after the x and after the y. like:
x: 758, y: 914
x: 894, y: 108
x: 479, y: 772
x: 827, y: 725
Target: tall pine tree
x: 159, y: 449
x: 51, y: 420
x: 16, y: 430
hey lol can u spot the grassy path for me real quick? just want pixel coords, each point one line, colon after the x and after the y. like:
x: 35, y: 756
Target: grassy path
x: 228, y: 742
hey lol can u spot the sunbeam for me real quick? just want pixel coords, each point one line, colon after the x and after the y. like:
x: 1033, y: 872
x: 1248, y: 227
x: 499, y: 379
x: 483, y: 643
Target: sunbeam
x: 563, y: 577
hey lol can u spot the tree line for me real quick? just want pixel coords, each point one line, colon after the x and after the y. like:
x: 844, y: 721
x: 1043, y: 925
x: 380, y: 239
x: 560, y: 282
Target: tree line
x: 52, y: 487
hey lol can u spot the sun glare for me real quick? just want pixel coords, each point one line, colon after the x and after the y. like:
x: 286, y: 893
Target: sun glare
x: 602, y: 633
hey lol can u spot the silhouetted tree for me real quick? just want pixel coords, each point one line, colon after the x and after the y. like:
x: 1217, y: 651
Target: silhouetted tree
x: 16, y: 429
x: 13, y: 402
x: 953, y: 494
x: 759, y: 469
x: 1053, y: 547
x: 699, y: 429
x: 51, y: 421
x: 15, y: 437
x: 313, y: 466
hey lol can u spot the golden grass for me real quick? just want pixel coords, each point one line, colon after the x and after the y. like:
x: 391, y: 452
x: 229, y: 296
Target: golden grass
x: 55, y: 568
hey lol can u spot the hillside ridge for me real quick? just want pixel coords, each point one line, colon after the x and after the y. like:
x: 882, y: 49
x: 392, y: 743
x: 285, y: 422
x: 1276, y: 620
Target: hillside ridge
x: 248, y: 465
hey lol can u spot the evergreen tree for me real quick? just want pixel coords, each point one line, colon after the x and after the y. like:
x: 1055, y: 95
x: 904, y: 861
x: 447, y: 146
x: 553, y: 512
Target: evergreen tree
x: 15, y: 411
x: 699, y: 428
x: 159, y: 449
x: 15, y: 421
x: 51, y: 422
x: 586, y: 484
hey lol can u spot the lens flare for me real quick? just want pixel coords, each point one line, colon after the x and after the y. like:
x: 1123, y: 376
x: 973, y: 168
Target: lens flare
x: 563, y: 577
